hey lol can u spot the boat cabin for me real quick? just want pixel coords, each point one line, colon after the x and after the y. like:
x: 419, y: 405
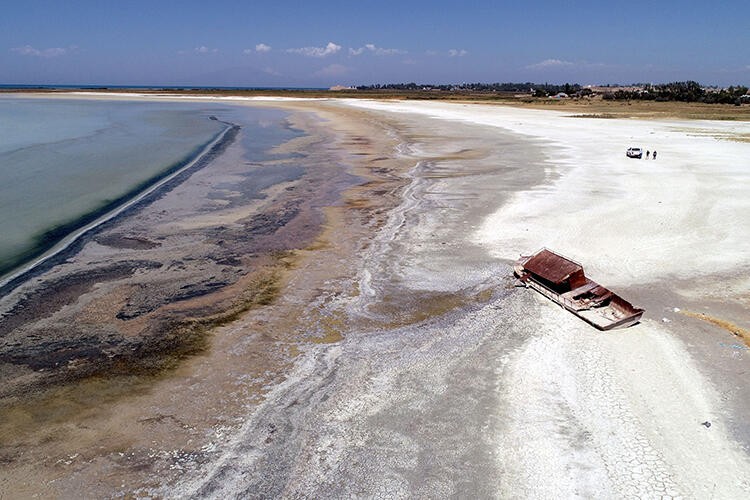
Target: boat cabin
x: 562, y: 281
x: 555, y: 271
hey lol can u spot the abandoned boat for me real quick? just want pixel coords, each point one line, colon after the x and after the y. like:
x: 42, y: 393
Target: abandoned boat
x: 563, y: 281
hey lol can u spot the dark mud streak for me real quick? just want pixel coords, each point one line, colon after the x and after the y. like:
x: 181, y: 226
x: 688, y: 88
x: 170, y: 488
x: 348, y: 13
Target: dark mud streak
x: 127, y: 242
x: 144, y: 303
x: 46, y: 300
x: 80, y: 355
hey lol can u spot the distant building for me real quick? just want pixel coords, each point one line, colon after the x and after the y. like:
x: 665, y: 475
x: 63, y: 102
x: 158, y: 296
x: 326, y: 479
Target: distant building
x: 341, y: 87
x: 561, y: 95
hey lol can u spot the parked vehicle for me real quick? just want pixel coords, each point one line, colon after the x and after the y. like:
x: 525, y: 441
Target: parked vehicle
x: 634, y: 153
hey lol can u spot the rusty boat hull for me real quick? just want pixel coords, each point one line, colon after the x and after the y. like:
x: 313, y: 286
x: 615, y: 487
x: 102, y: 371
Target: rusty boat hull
x: 587, y: 299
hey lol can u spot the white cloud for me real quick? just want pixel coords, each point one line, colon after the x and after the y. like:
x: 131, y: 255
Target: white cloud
x: 550, y: 63
x: 378, y: 51
x: 329, y: 49
x: 260, y: 48
x: 205, y: 50
x: 28, y: 50
x: 450, y: 53
x: 271, y: 71
x: 332, y: 70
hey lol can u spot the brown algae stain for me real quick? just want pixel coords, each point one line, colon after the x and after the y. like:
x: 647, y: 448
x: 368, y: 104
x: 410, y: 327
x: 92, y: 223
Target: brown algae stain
x: 426, y: 306
x: 735, y: 330
x: 332, y: 327
x: 57, y: 405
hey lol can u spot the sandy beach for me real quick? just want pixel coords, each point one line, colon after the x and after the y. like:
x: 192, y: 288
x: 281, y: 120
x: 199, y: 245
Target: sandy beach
x: 391, y: 355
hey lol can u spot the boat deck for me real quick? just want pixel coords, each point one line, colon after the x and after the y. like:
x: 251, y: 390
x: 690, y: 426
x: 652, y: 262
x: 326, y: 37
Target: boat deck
x: 591, y: 301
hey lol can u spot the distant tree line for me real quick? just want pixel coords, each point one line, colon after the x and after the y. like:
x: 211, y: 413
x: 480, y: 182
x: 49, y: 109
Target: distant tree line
x: 680, y: 91
x: 688, y: 91
x: 527, y: 87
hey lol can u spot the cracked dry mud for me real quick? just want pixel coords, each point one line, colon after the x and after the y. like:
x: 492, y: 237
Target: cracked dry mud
x: 398, y: 361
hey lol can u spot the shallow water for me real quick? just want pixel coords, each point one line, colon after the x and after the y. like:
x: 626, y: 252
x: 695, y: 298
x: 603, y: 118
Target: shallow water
x: 63, y: 159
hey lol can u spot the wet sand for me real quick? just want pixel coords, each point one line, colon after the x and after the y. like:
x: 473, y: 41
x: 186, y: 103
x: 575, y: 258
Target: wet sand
x: 397, y: 359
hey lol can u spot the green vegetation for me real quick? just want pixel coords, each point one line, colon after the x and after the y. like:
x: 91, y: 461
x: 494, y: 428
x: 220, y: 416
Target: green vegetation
x: 688, y: 91
x: 535, y: 89
x: 681, y: 91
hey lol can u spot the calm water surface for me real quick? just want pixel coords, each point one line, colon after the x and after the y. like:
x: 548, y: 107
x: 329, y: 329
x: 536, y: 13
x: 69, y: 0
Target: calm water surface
x: 61, y: 159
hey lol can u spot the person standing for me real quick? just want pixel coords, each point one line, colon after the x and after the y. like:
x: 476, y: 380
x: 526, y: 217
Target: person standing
x: 654, y: 155
x: 648, y: 153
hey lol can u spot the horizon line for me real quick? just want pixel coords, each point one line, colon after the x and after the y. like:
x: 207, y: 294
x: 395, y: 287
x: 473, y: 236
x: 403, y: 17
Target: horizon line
x: 11, y: 86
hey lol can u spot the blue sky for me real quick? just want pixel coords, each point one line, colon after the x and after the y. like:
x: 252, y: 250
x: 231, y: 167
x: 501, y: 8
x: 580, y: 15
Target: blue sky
x: 286, y: 43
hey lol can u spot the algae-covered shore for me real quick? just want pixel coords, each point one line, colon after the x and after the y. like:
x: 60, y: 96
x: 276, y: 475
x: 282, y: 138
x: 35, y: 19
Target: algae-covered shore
x: 356, y: 331
x: 114, y: 317
x: 113, y: 251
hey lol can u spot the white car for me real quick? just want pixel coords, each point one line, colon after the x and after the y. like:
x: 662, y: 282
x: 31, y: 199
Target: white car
x: 634, y: 153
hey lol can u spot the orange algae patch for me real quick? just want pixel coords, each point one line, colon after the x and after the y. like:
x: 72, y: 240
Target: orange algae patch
x: 738, y: 331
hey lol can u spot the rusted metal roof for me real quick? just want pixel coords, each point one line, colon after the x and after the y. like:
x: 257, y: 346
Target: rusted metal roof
x: 551, y: 266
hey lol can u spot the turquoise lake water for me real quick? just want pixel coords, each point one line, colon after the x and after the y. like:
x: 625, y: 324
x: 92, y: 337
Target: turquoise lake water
x: 61, y: 159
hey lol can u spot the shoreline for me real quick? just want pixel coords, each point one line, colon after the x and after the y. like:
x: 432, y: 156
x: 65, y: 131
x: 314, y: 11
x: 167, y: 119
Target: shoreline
x: 582, y: 107
x: 397, y: 357
x: 160, y: 333
x: 53, y: 247
x: 328, y: 174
